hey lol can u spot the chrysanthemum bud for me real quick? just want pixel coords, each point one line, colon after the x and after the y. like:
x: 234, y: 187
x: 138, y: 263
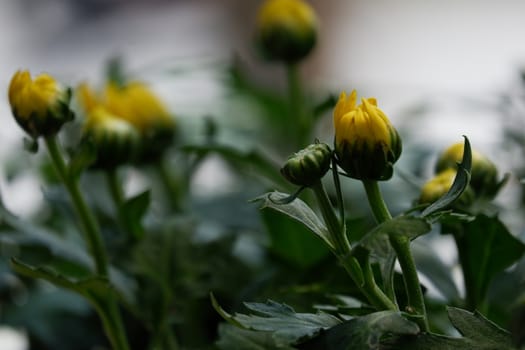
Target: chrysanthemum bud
x: 136, y: 105
x: 115, y: 140
x: 286, y: 30
x: 484, y: 174
x: 439, y: 185
x: 40, y: 106
x: 366, y: 144
x: 309, y: 165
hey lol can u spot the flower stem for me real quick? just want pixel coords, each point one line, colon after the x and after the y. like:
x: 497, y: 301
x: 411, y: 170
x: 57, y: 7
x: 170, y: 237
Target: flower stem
x: 299, y: 123
x: 87, y: 219
x: 342, y: 249
x: 109, y: 313
x: 401, y: 245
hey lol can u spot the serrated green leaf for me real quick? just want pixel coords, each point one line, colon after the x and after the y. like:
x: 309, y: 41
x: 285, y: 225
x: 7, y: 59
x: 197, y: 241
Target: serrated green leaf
x: 362, y: 333
x: 233, y: 338
x: 459, y: 185
x: 298, y: 211
x: 285, y: 325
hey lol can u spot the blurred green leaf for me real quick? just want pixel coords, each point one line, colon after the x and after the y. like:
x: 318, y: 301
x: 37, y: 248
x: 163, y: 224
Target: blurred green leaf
x: 42, y: 247
x: 82, y: 157
x: 459, y: 185
x: 325, y: 105
x: 486, y: 248
x: 133, y: 210
x: 252, y: 161
x: 28, y: 234
x: 95, y: 289
x: 429, y: 263
x: 362, y: 333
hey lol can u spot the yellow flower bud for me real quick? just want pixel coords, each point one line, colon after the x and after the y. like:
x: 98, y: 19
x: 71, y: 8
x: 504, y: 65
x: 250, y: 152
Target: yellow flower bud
x: 309, y: 165
x: 135, y: 104
x: 40, y: 106
x: 286, y: 29
x: 436, y: 187
x: 115, y: 140
x: 366, y: 144
x: 484, y: 174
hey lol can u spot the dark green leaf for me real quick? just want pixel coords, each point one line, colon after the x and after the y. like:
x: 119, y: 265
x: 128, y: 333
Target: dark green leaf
x: 429, y: 263
x: 362, y: 333
x: 133, y: 210
x: 476, y: 327
x: 298, y: 211
x: 486, y: 248
x: 234, y: 338
x: 459, y: 185
x: 292, y: 241
x: 286, y: 326
x: 478, y: 333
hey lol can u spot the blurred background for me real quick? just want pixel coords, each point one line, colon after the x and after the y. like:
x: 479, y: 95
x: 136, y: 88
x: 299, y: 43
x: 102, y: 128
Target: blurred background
x: 440, y: 69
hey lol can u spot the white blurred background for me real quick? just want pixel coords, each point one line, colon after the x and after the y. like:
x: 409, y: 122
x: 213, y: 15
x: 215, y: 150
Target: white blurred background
x: 450, y: 60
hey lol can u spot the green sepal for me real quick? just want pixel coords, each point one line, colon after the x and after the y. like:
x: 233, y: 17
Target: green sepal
x: 459, y: 185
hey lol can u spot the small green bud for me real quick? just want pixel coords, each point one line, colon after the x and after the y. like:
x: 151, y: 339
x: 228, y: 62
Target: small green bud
x: 366, y: 143
x: 484, y: 174
x: 40, y: 106
x: 309, y: 165
x: 286, y: 30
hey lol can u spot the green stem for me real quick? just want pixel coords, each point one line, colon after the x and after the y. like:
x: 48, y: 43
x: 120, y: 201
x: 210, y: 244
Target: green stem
x: 89, y: 223
x: 109, y: 314
x: 299, y: 122
x: 362, y: 278
x: 401, y: 245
